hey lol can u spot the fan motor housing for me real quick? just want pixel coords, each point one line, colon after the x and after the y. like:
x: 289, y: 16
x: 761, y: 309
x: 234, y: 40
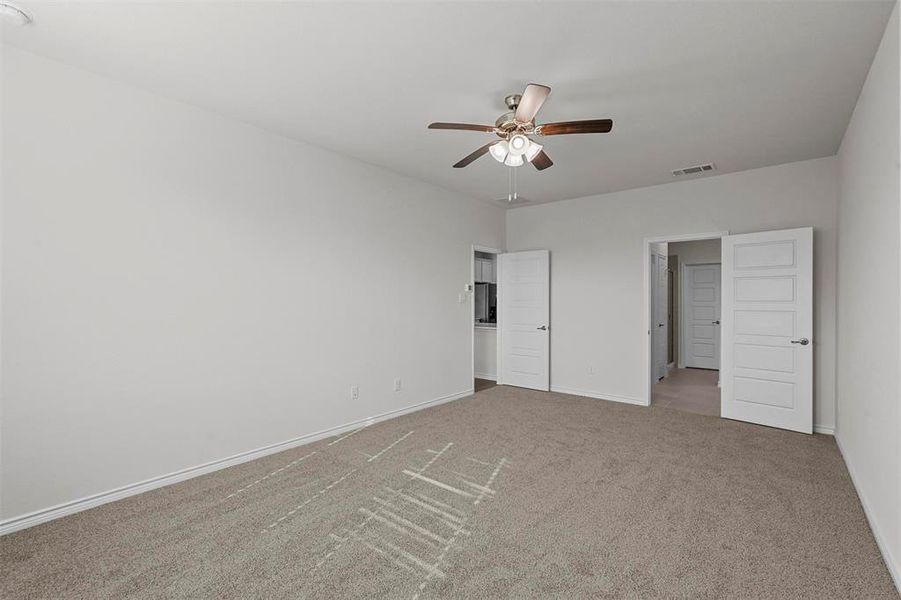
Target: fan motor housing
x: 505, y: 121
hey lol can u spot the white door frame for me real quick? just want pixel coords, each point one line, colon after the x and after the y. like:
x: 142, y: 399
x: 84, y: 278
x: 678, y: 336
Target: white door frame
x: 646, y: 297
x: 683, y: 301
x: 472, y: 308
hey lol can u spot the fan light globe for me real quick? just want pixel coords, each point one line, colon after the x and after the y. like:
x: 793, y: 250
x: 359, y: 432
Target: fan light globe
x: 518, y: 144
x: 499, y: 151
x: 533, y: 150
x: 513, y: 160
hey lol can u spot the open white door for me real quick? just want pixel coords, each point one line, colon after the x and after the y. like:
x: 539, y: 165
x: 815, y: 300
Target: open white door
x: 524, y: 319
x: 660, y: 312
x: 767, y: 327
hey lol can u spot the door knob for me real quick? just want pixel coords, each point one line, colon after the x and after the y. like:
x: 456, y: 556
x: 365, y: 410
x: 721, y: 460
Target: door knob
x: 543, y: 328
x: 802, y: 341
x: 660, y: 324
x: 715, y: 322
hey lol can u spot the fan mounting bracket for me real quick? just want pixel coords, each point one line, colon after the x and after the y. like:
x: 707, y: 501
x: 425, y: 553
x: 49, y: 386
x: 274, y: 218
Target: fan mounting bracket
x: 512, y: 101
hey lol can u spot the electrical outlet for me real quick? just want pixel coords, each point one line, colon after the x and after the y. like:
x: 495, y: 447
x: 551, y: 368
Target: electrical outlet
x: 354, y: 392
x: 590, y: 370
x: 397, y: 385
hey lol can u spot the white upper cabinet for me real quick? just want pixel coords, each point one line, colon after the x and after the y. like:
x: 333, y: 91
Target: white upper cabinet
x: 485, y: 271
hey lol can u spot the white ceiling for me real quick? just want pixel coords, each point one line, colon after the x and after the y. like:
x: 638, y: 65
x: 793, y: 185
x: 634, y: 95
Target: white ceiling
x: 741, y: 84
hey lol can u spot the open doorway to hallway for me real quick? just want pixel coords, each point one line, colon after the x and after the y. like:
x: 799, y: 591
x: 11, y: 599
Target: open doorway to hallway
x: 685, y: 293
x: 485, y: 309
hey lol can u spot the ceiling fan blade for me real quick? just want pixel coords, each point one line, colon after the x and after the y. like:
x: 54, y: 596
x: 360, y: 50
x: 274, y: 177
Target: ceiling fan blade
x: 463, y: 126
x: 477, y: 154
x: 567, y: 127
x: 532, y: 99
x: 542, y: 161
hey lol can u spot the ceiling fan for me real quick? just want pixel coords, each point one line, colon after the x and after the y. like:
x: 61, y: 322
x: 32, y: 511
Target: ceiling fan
x: 515, y: 147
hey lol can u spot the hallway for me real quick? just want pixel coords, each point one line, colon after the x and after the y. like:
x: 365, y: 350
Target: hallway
x: 691, y: 390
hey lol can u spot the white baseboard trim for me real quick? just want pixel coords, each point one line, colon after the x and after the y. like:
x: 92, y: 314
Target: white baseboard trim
x: 826, y: 429
x: 894, y: 567
x: 488, y: 376
x: 68, y: 508
x: 598, y: 395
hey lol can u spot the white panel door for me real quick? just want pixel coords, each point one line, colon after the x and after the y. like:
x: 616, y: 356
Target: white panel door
x: 701, y: 316
x: 767, y: 369
x: 660, y: 313
x: 524, y: 319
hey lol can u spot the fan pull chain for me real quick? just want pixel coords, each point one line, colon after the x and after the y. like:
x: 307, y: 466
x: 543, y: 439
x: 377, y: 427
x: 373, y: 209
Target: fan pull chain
x: 511, y: 179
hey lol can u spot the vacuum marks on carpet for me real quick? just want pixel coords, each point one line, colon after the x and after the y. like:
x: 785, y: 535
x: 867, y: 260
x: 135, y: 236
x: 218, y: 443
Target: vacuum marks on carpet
x: 415, y: 527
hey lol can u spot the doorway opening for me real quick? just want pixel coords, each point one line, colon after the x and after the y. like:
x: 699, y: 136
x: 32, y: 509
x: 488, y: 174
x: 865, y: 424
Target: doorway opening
x: 511, y: 326
x: 484, y: 317
x: 684, y: 306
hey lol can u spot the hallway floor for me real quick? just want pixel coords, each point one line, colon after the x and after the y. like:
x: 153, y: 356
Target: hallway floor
x: 691, y: 390
x: 483, y: 384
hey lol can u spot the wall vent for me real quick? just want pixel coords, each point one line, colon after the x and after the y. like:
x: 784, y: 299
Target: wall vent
x: 695, y: 169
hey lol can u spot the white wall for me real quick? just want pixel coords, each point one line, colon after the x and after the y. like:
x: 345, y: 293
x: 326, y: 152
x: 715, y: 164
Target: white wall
x: 869, y: 393
x: 596, y: 265
x: 179, y: 287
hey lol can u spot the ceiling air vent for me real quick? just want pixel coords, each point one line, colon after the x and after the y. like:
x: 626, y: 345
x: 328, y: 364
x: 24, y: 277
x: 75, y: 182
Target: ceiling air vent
x: 693, y: 170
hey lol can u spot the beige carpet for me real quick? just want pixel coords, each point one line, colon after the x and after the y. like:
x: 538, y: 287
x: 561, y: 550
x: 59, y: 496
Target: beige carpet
x: 509, y: 494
